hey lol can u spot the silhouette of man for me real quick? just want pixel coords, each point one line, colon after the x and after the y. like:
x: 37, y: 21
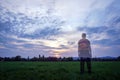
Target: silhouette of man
x: 84, y: 52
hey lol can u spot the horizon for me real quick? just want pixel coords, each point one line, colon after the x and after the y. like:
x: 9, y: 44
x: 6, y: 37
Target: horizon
x: 54, y: 27
x: 59, y: 56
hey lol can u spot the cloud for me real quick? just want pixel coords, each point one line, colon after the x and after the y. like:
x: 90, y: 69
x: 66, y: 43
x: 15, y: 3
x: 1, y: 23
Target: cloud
x: 24, y: 26
x: 28, y: 7
x: 54, y: 27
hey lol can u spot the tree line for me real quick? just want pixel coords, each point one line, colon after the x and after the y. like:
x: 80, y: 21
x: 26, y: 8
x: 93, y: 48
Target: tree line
x: 43, y: 58
x: 39, y: 58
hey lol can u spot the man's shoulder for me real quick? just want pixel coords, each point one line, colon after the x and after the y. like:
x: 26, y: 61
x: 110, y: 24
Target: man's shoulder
x: 87, y: 40
x: 83, y: 40
x: 80, y: 40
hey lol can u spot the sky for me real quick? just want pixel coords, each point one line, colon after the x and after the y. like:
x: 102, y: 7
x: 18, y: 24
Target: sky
x: 54, y: 27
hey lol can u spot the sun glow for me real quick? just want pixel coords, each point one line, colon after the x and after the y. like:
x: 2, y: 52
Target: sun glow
x: 55, y: 43
x: 57, y: 55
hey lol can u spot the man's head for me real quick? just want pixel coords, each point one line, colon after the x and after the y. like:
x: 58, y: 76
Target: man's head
x: 84, y: 35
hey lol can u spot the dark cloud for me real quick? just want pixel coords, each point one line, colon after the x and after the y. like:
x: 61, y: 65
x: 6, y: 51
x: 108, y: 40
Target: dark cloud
x: 64, y: 47
x: 90, y: 30
x: 71, y: 42
x: 44, y: 33
x: 28, y: 45
x: 5, y: 27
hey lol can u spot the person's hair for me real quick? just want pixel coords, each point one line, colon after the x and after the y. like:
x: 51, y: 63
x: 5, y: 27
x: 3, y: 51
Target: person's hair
x: 83, y: 34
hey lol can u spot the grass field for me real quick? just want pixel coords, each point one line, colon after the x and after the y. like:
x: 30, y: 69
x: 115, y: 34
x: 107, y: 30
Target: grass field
x: 58, y: 71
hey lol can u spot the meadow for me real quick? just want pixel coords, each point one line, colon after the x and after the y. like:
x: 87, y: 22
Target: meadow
x: 109, y: 70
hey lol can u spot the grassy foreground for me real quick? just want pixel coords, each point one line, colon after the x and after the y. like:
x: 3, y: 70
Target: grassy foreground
x: 58, y: 71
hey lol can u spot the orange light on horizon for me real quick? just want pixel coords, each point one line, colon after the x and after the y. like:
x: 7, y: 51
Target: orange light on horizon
x: 57, y: 53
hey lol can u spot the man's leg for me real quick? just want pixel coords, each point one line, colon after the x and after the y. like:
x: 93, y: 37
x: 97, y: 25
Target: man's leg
x: 82, y: 62
x: 89, y: 65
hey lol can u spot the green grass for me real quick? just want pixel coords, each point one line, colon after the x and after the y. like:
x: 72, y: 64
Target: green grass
x: 58, y: 71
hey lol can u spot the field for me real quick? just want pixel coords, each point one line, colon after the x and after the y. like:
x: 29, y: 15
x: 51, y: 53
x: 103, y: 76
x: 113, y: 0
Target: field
x: 58, y: 71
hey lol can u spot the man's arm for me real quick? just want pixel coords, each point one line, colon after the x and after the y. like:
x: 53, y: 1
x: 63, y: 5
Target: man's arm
x: 90, y: 48
x: 78, y: 49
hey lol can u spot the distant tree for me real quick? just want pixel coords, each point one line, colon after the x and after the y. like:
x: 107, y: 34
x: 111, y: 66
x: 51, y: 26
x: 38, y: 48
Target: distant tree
x: 7, y: 59
x: 18, y: 58
x: 43, y: 58
x: 118, y: 58
x: 28, y: 58
x: 1, y: 59
x: 39, y: 56
x: 24, y: 59
x: 34, y: 59
x: 60, y: 59
x: 64, y: 59
x: 69, y: 59
x: 51, y: 58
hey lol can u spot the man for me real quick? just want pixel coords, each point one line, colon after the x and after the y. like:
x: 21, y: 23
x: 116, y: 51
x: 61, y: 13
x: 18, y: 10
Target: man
x: 84, y: 52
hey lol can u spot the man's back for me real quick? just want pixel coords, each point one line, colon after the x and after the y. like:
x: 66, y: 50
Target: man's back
x: 84, y: 48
